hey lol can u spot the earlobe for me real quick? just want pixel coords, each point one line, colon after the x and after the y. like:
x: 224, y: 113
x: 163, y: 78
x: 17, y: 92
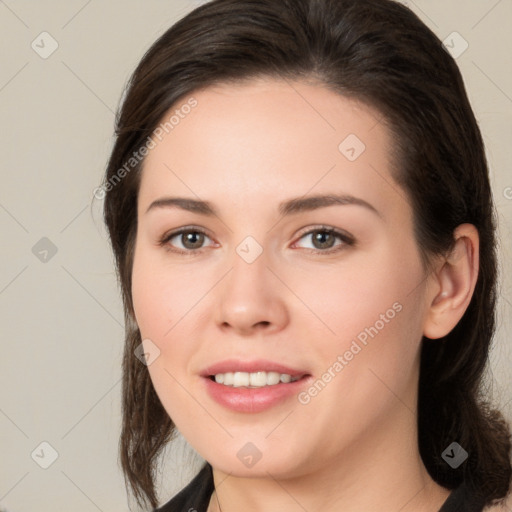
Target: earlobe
x: 455, y: 282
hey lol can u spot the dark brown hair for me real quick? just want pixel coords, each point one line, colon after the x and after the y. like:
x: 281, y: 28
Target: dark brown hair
x: 381, y: 53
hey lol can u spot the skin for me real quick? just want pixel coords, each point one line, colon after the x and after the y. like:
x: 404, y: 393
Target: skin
x: 245, y: 148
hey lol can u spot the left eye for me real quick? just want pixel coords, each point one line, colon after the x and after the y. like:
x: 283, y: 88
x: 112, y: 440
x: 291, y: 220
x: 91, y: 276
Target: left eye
x: 190, y: 239
x: 324, y: 239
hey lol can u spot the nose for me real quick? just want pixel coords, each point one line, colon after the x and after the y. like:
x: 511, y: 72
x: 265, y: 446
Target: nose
x: 251, y: 299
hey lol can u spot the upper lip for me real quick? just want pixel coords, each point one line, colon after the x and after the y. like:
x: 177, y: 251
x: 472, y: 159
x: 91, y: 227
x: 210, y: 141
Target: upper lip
x: 259, y: 365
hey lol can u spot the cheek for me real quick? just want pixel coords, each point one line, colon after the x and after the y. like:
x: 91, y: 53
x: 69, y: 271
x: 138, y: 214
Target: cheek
x: 157, y: 309
x: 362, y: 296
x: 161, y: 301
x: 151, y: 301
x: 372, y: 314
x: 167, y: 300
x: 162, y: 294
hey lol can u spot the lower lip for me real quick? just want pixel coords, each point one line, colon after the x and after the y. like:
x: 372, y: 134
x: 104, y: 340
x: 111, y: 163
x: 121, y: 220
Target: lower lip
x: 253, y: 400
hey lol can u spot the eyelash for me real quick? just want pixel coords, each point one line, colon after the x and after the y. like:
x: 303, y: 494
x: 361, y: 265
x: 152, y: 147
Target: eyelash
x: 347, y: 240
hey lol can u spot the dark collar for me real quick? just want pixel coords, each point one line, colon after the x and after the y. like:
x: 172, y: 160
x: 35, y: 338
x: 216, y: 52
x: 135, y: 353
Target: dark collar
x: 196, y: 496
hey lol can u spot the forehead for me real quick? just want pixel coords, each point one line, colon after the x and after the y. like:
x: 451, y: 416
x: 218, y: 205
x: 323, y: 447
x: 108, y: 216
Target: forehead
x: 269, y: 137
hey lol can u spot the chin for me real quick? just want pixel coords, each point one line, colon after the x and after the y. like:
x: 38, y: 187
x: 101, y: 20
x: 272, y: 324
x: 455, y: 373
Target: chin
x: 258, y: 460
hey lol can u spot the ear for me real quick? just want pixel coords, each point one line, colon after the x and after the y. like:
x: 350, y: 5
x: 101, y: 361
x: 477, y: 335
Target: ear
x: 453, y: 284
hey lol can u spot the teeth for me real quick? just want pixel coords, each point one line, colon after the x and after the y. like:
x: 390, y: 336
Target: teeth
x: 258, y: 379
x: 253, y: 380
x: 240, y: 379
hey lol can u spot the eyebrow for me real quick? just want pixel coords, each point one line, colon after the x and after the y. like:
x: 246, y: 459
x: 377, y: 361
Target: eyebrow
x: 292, y: 206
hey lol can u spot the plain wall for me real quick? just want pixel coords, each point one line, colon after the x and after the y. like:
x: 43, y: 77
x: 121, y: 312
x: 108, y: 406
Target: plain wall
x: 62, y: 321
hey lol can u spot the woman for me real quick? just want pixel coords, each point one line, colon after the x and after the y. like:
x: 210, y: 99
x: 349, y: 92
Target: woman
x: 299, y: 205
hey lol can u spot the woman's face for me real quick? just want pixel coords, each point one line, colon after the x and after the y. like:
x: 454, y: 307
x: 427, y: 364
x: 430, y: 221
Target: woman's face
x: 258, y: 290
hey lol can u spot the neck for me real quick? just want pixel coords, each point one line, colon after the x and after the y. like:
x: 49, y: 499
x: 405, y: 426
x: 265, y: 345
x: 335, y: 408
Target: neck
x: 382, y: 470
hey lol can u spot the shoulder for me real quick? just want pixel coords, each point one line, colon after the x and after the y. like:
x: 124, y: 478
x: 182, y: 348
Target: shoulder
x: 195, y: 496
x: 504, y: 506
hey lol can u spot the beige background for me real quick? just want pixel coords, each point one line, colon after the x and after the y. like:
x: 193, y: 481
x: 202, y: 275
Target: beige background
x: 61, y: 318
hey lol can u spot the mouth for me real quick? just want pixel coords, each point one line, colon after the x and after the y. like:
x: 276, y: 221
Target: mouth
x: 252, y: 386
